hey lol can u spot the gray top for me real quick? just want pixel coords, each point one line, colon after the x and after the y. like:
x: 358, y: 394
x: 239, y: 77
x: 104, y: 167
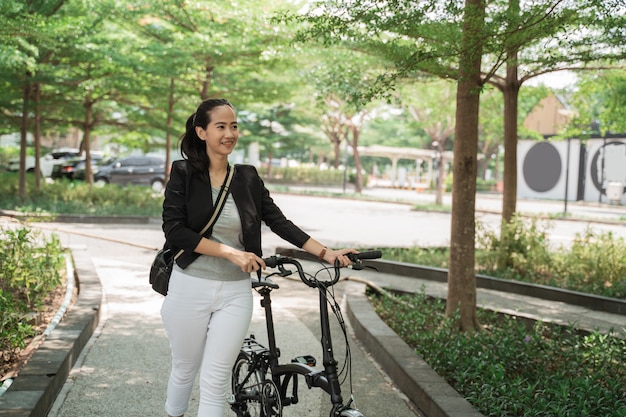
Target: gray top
x: 226, y: 230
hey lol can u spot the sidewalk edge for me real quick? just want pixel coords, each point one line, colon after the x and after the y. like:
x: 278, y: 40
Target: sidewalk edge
x: 424, y: 387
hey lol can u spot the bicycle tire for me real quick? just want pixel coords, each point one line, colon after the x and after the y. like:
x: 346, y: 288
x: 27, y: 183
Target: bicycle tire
x: 351, y: 413
x: 247, y: 396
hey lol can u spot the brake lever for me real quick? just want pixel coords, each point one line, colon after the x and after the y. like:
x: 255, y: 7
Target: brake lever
x: 357, y: 266
x: 284, y: 272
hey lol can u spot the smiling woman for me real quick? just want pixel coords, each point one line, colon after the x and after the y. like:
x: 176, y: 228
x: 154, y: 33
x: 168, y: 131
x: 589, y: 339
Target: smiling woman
x: 208, y: 306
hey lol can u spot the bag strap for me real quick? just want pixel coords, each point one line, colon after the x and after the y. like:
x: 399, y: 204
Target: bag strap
x: 221, y: 199
x: 219, y: 205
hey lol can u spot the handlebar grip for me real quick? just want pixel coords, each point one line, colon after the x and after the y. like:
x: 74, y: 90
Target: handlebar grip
x: 271, y: 262
x: 370, y: 254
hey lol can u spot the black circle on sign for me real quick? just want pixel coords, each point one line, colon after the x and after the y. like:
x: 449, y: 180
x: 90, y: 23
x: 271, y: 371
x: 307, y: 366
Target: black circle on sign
x: 542, y: 167
x: 597, y: 163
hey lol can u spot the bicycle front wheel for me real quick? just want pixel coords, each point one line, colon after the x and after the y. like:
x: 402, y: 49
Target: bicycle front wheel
x: 247, y: 398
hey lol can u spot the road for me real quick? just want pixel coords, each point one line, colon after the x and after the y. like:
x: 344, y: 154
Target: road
x: 341, y: 222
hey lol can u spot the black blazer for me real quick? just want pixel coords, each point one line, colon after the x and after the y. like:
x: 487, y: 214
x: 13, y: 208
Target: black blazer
x: 188, y: 205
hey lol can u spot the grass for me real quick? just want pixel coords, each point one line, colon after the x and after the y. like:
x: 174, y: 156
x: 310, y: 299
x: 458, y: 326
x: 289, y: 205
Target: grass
x: 513, y: 368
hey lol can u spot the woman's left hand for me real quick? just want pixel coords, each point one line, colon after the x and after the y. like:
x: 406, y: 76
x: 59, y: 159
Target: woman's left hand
x: 331, y: 255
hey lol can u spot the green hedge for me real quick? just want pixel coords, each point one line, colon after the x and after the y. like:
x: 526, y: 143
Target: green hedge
x: 29, y: 272
x: 302, y: 175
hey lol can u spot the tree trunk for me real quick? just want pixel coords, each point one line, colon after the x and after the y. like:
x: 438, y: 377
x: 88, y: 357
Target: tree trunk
x: 511, y: 93
x: 358, y: 184
x: 205, y: 84
x: 510, y: 90
x: 441, y: 177
x: 496, y: 167
x: 168, y: 133
x: 23, y: 142
x: 461, y: 275
x: 441, y: 171
x: 337, y: 151
x: 37, y: 134
x: 87, y: 138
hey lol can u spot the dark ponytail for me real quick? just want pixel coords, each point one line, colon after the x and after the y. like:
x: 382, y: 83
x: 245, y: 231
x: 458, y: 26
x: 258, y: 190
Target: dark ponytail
x: 192, y: 148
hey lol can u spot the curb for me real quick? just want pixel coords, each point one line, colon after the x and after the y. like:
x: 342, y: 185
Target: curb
x: 590, y: 301
x: 80, y: 218
x: 35, y: 390
x: 424, y: 387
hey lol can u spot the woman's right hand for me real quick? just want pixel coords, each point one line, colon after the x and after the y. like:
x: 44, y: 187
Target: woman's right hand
x: 247, y: 261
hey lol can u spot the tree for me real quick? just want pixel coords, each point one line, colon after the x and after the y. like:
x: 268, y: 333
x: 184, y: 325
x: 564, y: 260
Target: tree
x: 24, y: 38
x: 600, y: 103
x: 432, y: 105
x: 134, y: 70
x: 342, y: 122
x: 210, y: 49
x: 424, y: 37
x: 337, y: 81
x: 277, y: 128
x: 543, y: 37
x: 334, y: 127
x: 419, y: 38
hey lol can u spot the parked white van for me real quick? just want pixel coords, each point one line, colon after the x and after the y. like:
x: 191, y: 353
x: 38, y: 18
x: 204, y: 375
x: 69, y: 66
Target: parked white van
x: 57, y: 156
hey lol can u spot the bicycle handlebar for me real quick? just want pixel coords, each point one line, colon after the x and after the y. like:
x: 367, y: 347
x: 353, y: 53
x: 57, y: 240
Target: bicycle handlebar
x: 278, y: 261
x: 370, y: 254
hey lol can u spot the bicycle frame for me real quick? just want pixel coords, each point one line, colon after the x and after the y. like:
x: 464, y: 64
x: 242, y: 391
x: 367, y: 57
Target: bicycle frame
x: 260, y: 360
x: 282, y: 374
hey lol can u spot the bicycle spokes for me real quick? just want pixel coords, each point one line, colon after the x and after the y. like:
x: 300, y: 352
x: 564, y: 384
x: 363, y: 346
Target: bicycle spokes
x: 270, y: 399
x: 246, y: 385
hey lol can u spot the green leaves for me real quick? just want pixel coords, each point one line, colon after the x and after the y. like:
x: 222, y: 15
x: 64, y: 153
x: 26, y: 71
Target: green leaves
x: 30, y: 266
x: 514, y: 368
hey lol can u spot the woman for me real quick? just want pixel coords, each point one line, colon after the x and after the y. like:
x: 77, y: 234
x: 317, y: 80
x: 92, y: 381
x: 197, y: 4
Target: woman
x: 208, y: 307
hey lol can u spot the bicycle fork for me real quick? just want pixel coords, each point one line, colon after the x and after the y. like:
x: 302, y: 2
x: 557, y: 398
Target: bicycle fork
x: 328, y: 358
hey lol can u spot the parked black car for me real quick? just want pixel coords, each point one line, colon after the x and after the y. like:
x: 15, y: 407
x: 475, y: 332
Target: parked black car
x: 140, y: 170
x: 71, y: 167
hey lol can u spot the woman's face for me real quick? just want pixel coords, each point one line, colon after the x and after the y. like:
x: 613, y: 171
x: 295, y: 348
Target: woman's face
x: 221, y: 135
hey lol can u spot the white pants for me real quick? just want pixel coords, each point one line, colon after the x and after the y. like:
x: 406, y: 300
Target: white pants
x: 206, y: 322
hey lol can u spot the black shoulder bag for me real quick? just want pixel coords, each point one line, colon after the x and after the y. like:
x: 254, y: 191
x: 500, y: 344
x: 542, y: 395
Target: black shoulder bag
x: 163, y: 263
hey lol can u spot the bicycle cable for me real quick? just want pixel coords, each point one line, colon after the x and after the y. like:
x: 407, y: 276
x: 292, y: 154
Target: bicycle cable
x: 345, y: 373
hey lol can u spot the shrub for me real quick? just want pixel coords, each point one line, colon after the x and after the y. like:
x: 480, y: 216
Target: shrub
x: 594, y: 263
x: 521, y: 249
x: 29, y: 271
x: 65, y: 197
x: 513, y: 368
x: 302, y: 175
